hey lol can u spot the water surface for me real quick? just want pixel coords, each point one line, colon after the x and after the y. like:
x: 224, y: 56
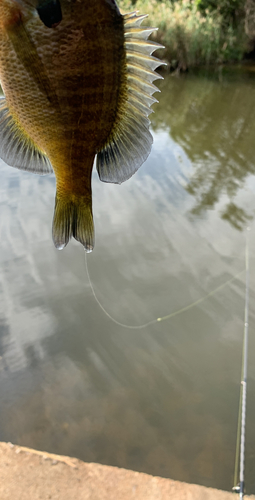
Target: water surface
x: 163, y: 399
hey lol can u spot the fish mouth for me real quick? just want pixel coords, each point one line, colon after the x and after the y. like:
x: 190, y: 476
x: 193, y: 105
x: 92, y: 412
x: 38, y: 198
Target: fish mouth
x: 49, y: 12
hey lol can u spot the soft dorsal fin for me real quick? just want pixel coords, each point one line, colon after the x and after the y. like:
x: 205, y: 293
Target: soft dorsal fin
x: 130, y: 140
x: 16, y: 147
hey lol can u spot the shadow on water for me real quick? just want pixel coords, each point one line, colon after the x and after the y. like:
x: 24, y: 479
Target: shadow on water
x: 162, y: 400
x: 213, y: 120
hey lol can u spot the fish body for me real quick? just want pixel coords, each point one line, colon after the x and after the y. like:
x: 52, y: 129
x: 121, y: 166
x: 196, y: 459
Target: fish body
x: 77, y: 78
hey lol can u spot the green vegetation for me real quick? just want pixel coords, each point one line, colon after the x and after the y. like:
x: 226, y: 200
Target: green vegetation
x: 198, y: 32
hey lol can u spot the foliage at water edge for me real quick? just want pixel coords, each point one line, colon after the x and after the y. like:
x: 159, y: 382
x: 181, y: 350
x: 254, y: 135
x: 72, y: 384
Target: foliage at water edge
x: 199, y: 32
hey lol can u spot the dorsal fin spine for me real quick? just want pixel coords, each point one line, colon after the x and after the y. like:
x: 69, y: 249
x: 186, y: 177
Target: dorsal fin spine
x: 139, y: 32
x: 143, y: 46
x: 144, y: 86
x: 141, y: 59
x: 147, y: 99
x: 143, y: 72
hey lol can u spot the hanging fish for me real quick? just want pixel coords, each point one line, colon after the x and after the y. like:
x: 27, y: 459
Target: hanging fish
x: 77, y: 78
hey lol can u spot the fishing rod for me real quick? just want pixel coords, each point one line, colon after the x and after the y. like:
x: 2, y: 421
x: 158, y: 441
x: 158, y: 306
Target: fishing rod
x: 241, y: 428
x: 240, y: 442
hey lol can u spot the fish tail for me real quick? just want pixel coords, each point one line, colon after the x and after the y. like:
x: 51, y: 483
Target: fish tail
x: 73, y: 217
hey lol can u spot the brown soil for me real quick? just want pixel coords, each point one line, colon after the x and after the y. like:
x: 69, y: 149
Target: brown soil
x: 27, y: 474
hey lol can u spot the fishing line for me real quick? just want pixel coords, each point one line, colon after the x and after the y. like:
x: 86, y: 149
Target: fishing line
x: 163, y: 318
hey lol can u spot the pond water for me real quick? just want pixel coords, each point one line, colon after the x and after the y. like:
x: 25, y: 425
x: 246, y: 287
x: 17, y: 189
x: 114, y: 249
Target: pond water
x: 162, y: 399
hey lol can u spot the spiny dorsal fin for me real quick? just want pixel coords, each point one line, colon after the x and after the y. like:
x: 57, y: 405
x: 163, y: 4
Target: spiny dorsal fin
x: 130, y: 141
x: 16, y: 147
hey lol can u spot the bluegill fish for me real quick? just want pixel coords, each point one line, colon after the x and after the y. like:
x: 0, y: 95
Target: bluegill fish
x: 77, y: 78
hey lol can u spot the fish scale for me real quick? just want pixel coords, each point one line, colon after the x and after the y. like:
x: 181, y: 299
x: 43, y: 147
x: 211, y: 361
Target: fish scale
x: 80, y: 88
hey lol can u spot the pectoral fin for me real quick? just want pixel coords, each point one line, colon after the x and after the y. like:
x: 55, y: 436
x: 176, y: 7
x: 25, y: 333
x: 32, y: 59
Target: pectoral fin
x: 16, y: 147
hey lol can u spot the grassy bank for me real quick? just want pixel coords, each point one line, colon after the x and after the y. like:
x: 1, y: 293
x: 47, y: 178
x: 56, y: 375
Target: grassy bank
x: 193, y: 36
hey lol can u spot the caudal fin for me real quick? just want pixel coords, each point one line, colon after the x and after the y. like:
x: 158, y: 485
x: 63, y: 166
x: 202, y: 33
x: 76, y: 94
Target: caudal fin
x: 73, y: 218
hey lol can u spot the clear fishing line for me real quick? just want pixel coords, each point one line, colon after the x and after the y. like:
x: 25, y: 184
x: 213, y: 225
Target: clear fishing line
x: 163, y: 318
x: 240, y: 443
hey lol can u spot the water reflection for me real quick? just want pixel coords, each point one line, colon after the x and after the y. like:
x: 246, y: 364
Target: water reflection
x: 163, y: 400
x: 214, y: 123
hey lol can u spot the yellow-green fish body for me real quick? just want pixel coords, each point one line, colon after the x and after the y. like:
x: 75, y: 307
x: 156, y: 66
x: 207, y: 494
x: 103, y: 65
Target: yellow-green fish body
x: 77, y: 78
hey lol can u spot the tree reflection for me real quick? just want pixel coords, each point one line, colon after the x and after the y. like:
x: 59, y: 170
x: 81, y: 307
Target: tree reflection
x: 213, y: 121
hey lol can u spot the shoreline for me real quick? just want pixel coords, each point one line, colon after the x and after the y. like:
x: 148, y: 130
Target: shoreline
x: 28, y: 474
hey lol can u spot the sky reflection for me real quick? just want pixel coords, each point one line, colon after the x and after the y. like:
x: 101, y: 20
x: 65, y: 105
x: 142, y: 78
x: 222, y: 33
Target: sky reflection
x: 164, y: 399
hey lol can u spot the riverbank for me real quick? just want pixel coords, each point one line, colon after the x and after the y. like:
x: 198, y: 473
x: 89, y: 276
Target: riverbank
x: 193, y: 36
x: 27, y: 474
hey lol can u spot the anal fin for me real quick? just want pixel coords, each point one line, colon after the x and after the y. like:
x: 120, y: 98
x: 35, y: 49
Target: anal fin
x: 16, y: 148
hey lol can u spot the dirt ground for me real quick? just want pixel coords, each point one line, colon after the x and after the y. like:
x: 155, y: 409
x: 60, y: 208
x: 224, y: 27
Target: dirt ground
x: 27, y: 474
